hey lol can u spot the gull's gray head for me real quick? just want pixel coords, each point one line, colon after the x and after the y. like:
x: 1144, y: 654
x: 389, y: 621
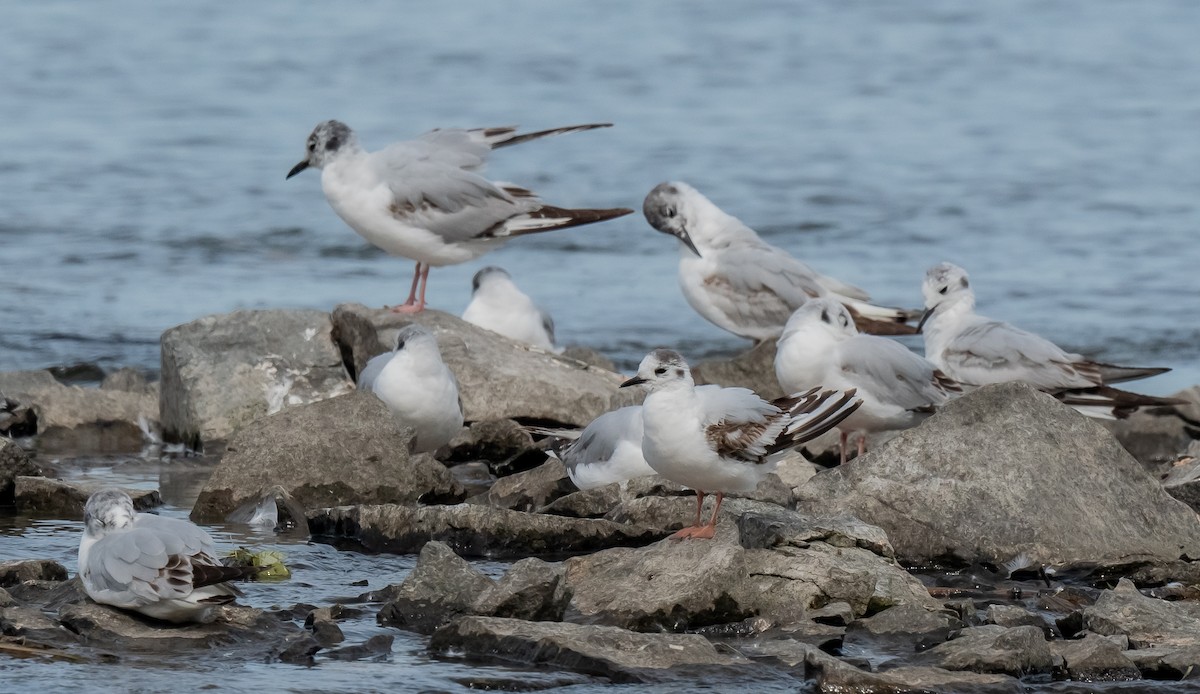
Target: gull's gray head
x: 824, y: 313
x: 489, y: 273
x: 414, y: 337
x: 666, y: 210
x: 945, y: 284
x: 108, y: 509
x: 325, y: 142
x: 662, y: 368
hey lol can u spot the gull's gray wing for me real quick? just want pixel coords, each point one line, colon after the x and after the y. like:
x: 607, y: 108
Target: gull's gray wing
x: 890, y: 372
x: 600, y: 439
x: 190, y: 536
x: 739, y: 424
x: 990, y: 351
x: 760, y: 285
x: 139, y: 566
x: 370, y: 372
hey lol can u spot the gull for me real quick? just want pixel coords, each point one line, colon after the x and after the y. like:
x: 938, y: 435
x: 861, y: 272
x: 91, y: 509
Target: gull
x: 899, y: 389
x: 424, y: 199
x: 976, y: 351
x: 607, y: 450
x: 724, y: 439
x: 161, y: 567
x: 418, y: 387
x: 741, y: 283
x: 498, y: 305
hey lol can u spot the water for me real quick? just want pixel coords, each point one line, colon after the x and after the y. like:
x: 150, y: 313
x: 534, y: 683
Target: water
x: 1048, y: 147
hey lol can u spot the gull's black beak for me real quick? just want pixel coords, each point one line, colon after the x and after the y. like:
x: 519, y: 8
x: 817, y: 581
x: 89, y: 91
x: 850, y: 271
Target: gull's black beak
x: 635, y: 381
x: 925, y: 317
x: 687, y: 241
x: 297, y: 169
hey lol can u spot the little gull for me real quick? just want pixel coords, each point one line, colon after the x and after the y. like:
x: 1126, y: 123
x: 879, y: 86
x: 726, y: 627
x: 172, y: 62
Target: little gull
x: 976, y: 351
x: 424, y: 200
x: 821, y: 347
x: 498, y: 305
x: 741, y: 283
x: 161, y: 567
x: 416, y: 385
x: 724, y: 439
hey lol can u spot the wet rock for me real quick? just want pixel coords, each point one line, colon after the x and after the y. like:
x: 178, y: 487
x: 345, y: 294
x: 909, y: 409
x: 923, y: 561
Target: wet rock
x: 471, y: 530
x: 497, y: 378
x: 50, y: 595
x: 1009, y: 616
x: 327, y: 633
x: 378, y: 646
x: 14, y: 572
x: 441, y: 587
x: 110, y: 628
x: 1020, y: 651
x: 221, y: 372
x: 50, y: 498
x: 620, y: 655
x: 1008, y: 470
x: 1167, y: 663
x: 529, y: 490
x: 753, y: 369
x: 32, y: 624
x: 531, y: 589
x: 1094, y: 659
x: 1148, y: 622
x: 71, y: 419
x: 296, y: 649
x: 835, y: 614
x: 14, y: 462
x: 347, y: 449
x: 909, y: 620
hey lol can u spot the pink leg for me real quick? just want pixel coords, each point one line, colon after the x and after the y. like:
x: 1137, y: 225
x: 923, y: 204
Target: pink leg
x: 708, y: 531
x: 687, y: 532
x: 422, y: 274
x: 845, y: 440
x: 862, y: 444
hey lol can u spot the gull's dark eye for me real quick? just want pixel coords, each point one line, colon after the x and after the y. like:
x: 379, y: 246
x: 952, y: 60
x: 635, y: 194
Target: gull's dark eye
x: 669, y: 212
x: 400, y: 345
x: 660, y: 371
x: 312, y: 146
x: 825, y: 316
x: 943, y: 290
x: 843, y: 320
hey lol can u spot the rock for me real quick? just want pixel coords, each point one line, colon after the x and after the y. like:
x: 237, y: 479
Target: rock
x: 762, y: 527
x: 529, y: 490
x: 910, y: 621
x: 1182, y: 481
x: 14, y: 462
x: 531, y: 589
x: 129, y: 380
x: 471, y: 530
x: 587, y: 503
x: 379, y: 645
x: 6, y: 600
x: 1018, y: 652
x: 1154, y: 436
x: 71, y: 419
x: 13, y: 382
x: 327, y: 633
x: 441, y: 587
x: 1006, y: 470
x: 1167, y: 663
x: 14, y: 572
x: 348, y: 449
x: 296, y: 649
x: 834, y: 614
x: 241, y: 627
x: 794, y: 470
x: 475, y: 478
x: 1094, y: 659
x: 753, y: 369
x: 495, y: 441
x: 497, y: 378
x: 620, y: 655
x: 933, y: 679
x: 674, y: 512
x: 1009, y: 616
x: 50, y: 498
x: 588, y: 356
x: 1148, y: 622
x: 221, y: 372
x: 32, y: 624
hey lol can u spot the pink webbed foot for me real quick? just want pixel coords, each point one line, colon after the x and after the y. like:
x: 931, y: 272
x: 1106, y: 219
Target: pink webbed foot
x: 684, y: 533
x: 409, y: 308
x: 705, y: 532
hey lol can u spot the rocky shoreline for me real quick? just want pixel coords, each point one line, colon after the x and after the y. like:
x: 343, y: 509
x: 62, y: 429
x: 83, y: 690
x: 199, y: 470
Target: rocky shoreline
x: 1006, y: 542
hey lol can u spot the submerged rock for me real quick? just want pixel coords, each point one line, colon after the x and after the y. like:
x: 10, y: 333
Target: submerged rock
x: 14, y: 572
x: 221, y: 372
x: 14, y: 462
x: 441, y: 587
x: 50, y: 498
x: 1007, y: 470
x: 348, y: 449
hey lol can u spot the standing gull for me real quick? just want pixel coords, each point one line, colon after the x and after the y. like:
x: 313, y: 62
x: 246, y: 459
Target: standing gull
x: 741, y: 283
x: 899, y: 389
x: 416, y: 385
x: 498, y: 305
x: 423, y: 199
x: 724, y: 439
x: 977, y: 351
x: 161, y: 567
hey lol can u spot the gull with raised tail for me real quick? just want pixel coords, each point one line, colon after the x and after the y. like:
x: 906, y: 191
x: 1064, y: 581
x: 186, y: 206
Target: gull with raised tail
x: 498, y: 305
x: 164, y: 568
x: 417, y: 386
x: 424, y: 199
x: 821, y: 347
x: 743, y: 284
x: 977, y: 351
x: 721, y: 440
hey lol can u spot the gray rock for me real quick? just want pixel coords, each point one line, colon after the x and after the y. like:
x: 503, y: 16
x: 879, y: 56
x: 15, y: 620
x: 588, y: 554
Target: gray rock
x: 1005, y: 470
x: 497, y: 378
x: 1009, y: 616
x: 529, y: 490
x: 753, y: 369
x: 932, y: 679
x: 475, y: 478
x: 909, y: 621
x: 620, y: 655
x: 587, y: 503
x: 531, y: 589
x: 674, y: 512
x: 221, y: 372
x: 764, y: 526
x: 51, y: 498
x: 1148, y: 622
x: 348, y: 449
x: 588, y: 356
x: 14, y: 382
x: 794, y: 470
x: 1094, y: 659
x: 6, y: 600
x: 441, y: 587
x: 32, y: 624
x: 1155, y: 435
x: 71, y: 419
x: 835, y: 614
x: 379, y: 645
x: 494, y: 440
x: 14, y: 572
x: 1167, y: 663
x: 1182, y: 481
x: 130, y: 380
x: 1020, y: 651
x: 471, y: 530
x: 14, y: 462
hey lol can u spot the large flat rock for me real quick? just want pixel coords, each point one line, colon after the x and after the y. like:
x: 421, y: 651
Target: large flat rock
x: 72, y: 419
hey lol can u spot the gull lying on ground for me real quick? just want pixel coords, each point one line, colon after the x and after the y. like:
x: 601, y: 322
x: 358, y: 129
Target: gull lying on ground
x: 741, y: 283
x: 821, y: 347
x: 423, y: 199
x: 416, y: 385
x: 161, y: 567
x: 976, y: 351
x: 724, y: 439
x: 498, y: 305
